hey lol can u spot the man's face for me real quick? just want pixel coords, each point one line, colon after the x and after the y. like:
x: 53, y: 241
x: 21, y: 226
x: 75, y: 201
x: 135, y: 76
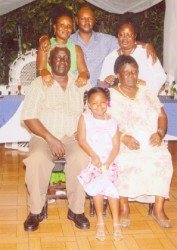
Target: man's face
x: 85, y: 20
x: 60, y: 61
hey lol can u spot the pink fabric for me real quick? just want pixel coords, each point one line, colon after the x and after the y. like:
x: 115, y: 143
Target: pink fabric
x: 147, y: 172
x: 99, y: 137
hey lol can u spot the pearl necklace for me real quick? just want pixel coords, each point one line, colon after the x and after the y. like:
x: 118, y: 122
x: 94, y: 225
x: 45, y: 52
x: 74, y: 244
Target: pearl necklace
x: 131, y: 98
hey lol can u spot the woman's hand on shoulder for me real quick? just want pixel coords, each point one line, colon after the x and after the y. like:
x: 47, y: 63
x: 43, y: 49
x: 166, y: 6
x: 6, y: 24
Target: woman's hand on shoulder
x: 156, y: 139
x: 44, y: 43
x: 47, y: 77
x: 82, y: 79
x: 110, y: 80
x: 130, y: 142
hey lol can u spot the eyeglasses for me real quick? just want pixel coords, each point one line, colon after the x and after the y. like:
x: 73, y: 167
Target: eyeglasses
x: 124, y: 35
x: 128, y: 73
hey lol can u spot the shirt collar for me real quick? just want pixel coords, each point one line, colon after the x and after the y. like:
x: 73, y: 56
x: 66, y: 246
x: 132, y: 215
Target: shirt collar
x: 93, y: 37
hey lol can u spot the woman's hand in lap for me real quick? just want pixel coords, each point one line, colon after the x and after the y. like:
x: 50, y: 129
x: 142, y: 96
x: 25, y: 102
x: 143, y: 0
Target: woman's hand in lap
x: 130, y: 142
x: 155, y: 139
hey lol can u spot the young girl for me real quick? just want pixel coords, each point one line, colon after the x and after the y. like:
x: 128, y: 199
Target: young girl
x: 98, y: 135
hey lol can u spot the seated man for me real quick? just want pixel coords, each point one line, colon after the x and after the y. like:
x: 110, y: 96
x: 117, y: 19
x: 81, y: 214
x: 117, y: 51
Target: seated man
x: 51, y: 114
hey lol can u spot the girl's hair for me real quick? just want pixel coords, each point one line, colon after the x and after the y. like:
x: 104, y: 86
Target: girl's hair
x: 105, y: 91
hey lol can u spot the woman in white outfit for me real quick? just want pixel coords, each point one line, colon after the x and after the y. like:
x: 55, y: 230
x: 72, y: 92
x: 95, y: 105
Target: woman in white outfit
x: 150, y: 74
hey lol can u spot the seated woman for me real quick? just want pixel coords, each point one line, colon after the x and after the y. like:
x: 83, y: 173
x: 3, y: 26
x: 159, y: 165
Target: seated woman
x: 150, y: 74
x: 63, y: 28
x: 145, y: 166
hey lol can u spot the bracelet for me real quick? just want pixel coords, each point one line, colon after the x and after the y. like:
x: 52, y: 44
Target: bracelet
x: 86, y: 72
x: 121, y: 136
x: 161, y: 133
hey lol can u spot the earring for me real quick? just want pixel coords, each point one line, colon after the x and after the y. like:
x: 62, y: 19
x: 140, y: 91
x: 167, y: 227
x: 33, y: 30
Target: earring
x: 109, y: 104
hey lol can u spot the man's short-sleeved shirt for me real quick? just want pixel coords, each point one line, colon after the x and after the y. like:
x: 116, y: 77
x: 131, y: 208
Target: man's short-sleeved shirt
x: 95, y: 51
x: 58, y: 110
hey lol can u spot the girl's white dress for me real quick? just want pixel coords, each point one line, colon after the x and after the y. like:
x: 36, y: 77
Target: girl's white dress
x: 99, y: 134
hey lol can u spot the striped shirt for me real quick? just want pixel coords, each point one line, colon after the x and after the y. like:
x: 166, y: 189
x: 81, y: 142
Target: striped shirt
x: 58, y: 110
x: 95, y: 51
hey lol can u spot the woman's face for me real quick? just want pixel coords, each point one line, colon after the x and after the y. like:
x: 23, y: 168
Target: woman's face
x: 126, y: 36
x: 63, y: 27
x: 128, y: 75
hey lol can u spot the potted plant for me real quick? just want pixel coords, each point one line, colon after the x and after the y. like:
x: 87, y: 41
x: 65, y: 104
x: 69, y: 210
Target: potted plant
x: 173, y: 90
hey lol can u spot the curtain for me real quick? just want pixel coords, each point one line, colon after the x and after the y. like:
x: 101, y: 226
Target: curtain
x: 122, y: 6
x: 170, y: 40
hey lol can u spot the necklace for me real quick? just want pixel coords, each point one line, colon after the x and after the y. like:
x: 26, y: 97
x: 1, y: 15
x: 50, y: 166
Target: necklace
x: 131, y: 98
x: 131, y: 52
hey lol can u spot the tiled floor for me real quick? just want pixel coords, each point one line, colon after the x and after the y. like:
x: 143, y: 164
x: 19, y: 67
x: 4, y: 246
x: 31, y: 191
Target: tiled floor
x: 59, y: 233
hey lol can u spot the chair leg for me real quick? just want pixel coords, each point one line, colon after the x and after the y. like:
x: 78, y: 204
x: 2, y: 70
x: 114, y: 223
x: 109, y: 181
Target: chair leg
x: 151, y: 205
x: 92, y: 211
x: 45, y: 208
x: 105, y: 205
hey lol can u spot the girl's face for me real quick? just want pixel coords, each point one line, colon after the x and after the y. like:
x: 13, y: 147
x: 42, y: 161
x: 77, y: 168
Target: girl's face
x: 63, y: 28
x: 98, y: 105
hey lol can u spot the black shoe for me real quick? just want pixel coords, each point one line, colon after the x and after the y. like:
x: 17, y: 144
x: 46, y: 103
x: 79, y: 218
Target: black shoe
x: 32, y: 221
x: 79, y: 219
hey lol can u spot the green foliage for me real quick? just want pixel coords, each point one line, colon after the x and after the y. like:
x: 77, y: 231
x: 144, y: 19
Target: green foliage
x: 35, y: 20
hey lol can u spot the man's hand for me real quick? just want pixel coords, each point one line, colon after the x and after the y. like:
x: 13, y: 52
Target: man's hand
x: 151, y: 52
x: 56, y: 146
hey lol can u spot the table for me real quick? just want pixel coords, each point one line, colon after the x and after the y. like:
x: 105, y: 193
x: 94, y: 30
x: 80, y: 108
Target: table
x: 8, y: 106
x: 11, y: 128
x: 170, y: 107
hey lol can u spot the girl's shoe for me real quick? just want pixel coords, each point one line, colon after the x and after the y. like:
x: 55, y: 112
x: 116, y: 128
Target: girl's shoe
x: 100, y: 233
x: 117, y: 232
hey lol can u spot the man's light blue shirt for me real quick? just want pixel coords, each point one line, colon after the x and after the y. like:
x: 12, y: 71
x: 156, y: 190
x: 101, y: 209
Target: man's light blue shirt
x: 99, y: 46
